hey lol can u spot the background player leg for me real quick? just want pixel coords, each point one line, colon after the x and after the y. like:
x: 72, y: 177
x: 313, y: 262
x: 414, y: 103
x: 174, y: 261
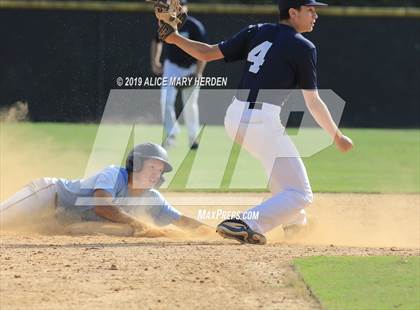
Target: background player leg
x: 191, y: 113
x: 167, y: 103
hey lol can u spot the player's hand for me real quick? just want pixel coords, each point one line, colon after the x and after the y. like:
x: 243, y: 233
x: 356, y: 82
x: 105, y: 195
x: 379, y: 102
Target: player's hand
x: 160, y: 232
x: 157, y: 68
x: 139, y: 227
x: 150, y: 233
x: 343, y: 143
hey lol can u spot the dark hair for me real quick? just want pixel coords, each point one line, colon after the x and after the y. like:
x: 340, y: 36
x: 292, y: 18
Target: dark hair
x: 284, y: 13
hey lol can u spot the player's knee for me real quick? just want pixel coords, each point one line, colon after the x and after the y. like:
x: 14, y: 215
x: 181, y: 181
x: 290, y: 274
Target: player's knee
x: 305, y: 198
x: 308, y: 198
x: 34, y: 184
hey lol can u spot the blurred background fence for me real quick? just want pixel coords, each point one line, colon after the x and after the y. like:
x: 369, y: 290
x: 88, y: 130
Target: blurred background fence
x: 63, y: 57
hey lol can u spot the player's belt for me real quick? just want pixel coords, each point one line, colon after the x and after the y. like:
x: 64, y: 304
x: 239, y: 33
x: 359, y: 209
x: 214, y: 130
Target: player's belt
x: 255, y: 105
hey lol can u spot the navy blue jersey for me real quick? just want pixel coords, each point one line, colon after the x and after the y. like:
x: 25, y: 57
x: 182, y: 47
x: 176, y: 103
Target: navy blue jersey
x: 277, y: 57
x: 194, y: 30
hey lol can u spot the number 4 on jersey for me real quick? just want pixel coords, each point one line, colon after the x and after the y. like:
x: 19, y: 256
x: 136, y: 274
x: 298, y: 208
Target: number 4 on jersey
x: 257, y: 56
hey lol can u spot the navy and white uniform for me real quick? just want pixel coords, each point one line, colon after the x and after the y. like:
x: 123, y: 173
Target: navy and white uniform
x: 276, y: 57
x: 58, y: 198
x: 179, y: 64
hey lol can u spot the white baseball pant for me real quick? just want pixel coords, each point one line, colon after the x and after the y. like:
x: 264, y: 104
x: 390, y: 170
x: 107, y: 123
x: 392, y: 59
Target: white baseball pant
x: 189, y: 98
x: 31, y: 204
x: 261, y: 133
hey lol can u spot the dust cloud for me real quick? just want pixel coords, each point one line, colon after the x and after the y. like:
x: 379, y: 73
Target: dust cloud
x: 28, y: 152
x: 17, y: 112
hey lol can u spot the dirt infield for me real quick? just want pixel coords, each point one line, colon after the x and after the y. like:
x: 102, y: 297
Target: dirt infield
x: 104, y: 272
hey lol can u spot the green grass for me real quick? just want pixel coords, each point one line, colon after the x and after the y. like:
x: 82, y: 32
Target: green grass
x: 383, y: 161
x: 363, y: 283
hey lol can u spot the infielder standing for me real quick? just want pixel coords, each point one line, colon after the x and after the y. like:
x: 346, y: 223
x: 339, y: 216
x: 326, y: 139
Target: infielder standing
x: 178, y: 64
x: 124, y: 195
x: 276, y: 56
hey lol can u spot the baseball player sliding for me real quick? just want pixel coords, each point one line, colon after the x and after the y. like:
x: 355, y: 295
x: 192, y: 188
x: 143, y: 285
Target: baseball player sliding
x: 125, y: 195
x: 276, y: 56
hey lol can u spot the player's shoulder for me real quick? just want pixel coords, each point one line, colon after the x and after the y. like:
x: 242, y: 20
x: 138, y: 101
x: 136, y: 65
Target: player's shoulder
x: 117, y: 171
x: 153, y: 193
x: 263, y: 30
x: 254, y: 30
x: 294, y: 39
x: 304, y: 42
x: 262, y: 27
x: 266, y: 26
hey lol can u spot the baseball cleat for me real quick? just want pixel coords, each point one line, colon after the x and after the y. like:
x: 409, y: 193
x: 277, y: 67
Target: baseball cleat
x: 240, y: 231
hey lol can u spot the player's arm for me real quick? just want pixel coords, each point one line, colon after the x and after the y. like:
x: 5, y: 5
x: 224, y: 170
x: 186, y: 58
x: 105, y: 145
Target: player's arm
x: 155, y: 54
x: 322, y: 116
x: 115, y: 214
x: 198, y: 50
x: 188, y: 223
x: 306, y: 60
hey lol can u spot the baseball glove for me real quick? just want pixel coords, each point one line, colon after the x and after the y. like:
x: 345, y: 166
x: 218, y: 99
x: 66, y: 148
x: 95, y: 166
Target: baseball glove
x: 171, y: 16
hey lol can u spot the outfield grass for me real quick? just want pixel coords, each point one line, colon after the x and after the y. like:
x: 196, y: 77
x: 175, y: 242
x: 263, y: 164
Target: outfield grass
x: 363, y: 283
x: 383, y: 161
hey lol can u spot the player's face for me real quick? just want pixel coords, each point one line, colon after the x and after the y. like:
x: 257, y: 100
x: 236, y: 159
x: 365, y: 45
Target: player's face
x: 149, y: 175
x: 305, y: 18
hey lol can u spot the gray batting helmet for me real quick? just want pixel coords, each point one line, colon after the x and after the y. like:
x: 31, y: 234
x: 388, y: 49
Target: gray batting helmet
x: 144, y: 151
